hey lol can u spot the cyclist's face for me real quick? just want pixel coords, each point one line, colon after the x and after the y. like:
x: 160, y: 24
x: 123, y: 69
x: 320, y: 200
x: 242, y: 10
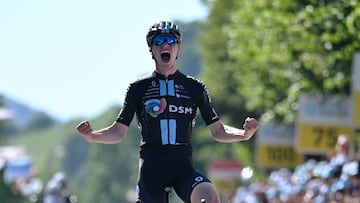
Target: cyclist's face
x: 165, y: 53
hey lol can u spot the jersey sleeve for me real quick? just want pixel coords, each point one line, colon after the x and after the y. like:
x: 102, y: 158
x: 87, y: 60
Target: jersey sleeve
x: 204, y: 104
x: 127, y: 112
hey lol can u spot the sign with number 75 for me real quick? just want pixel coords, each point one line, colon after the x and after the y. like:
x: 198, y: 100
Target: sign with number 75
x: 319, y: 139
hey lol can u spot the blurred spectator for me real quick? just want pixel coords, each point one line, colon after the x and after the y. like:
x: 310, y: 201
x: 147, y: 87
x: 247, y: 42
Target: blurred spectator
x: 55, y: 191
x: 18, y: 180
x: 352, y: 171
x: 342, y: 151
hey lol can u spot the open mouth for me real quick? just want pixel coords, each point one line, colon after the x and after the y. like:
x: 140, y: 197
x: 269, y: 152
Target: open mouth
x: 165, y: 56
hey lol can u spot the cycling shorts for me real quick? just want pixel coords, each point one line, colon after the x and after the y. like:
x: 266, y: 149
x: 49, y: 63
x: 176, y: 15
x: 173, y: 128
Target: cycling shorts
x: 158, y: 173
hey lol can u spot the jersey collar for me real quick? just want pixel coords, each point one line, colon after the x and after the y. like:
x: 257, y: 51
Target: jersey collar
x: 160, y: 76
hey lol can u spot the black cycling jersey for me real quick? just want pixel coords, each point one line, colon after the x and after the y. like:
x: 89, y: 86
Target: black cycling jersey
x: 166, y: 110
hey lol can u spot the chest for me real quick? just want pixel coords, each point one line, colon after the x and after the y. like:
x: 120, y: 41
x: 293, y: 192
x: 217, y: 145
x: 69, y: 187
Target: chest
x: 168, y: 96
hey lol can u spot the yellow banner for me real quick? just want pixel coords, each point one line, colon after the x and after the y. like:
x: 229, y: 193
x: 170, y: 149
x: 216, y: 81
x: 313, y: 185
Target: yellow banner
x: 356, y: 115
x: 278, y: 156
x: 320, y: 138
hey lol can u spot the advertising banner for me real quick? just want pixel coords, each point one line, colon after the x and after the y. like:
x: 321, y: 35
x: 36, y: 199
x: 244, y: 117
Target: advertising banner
x: 321, y: 119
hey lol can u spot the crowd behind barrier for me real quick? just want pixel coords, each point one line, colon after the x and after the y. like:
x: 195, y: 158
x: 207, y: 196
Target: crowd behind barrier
x: 333, y: 179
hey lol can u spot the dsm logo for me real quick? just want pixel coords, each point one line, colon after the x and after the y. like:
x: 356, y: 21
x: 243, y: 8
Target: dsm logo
x: 154, y: 107
x: 180, y: 109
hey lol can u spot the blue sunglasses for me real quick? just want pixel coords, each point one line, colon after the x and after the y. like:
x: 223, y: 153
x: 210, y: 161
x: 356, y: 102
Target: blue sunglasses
x: 160, y: 39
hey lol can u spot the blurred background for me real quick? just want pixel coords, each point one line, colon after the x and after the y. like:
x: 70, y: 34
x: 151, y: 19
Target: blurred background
x: 293, y: 65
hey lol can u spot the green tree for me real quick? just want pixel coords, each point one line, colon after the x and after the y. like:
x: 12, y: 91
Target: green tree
x: 220, y: 76
x: 189, y: 60
x: 40, y: 121
x: 268, y: 52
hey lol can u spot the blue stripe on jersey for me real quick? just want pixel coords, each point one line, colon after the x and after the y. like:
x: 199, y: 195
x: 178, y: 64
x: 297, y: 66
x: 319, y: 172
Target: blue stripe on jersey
x: 168, y: 127
x: 164, y: 131
x: 162, y: 87
x: 171, y: 88
x: 172, y: 131
x: 167, y: 88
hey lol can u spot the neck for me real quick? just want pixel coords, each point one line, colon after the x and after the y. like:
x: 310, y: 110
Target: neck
x: 166, y: 70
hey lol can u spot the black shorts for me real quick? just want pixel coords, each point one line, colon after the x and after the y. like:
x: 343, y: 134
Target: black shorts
x: 158, y: 173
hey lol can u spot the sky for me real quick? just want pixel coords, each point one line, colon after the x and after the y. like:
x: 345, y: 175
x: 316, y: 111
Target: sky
x: 75, y: 58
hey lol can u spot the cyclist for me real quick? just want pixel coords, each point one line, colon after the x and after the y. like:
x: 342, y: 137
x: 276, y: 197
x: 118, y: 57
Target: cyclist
x: 165, y: 104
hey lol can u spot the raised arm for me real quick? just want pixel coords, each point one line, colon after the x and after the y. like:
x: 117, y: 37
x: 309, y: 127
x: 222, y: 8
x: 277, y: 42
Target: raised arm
x: 109, y: 135
x: 225, y: 133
